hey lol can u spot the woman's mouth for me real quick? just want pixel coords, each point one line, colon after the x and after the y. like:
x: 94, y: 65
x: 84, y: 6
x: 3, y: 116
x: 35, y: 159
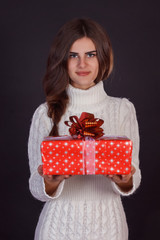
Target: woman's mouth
x: 82, y: 73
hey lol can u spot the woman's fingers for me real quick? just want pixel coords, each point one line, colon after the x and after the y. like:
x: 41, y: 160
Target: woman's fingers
x: 110, y: 176
x: 40, y: 170
x: 50, y: 178
x: 115, y: 178
x: 122, y: 178
x: 133, y: 170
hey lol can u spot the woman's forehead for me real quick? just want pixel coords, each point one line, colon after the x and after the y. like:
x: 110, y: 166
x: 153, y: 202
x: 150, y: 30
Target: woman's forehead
x: 84, y: 44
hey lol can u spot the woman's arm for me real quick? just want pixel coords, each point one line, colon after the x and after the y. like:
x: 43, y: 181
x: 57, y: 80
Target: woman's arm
x: 51, y: 181
x: 40, y: 128
x: 124, y: 182
x: 128, y: 126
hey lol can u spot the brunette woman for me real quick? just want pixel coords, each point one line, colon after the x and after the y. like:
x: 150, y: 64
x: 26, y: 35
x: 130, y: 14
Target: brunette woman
x: 81, y: 207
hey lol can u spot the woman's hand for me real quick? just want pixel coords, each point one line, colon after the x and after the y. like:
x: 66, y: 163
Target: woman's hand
x: 125, y: 182
x: 51, y: 181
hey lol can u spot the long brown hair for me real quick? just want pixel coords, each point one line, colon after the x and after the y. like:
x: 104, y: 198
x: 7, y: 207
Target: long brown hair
x: 57, y: 79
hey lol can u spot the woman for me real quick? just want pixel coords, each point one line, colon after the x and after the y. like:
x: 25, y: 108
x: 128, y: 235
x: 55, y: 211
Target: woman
x: 81, y: 207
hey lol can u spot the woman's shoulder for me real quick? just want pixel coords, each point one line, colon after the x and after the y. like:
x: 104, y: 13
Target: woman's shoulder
x: 121, y: 109
x: 41, y: 111
x: 121, y: 102
x: 41, y: 118
x: 42, y: 108
x: 122, y: 106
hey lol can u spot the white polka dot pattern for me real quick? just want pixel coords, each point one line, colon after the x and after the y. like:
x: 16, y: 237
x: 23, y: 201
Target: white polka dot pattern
x: 80, y: 157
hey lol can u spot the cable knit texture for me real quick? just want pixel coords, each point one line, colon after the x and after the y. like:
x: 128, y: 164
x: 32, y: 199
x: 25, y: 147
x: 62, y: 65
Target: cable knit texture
x: 84, y: 207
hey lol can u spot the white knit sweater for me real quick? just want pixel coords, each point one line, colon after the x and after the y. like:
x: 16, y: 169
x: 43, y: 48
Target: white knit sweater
x: 84, y: 207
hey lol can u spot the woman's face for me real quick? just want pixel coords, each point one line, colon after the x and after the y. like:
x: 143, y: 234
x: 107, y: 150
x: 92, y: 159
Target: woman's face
x: 83, y: 63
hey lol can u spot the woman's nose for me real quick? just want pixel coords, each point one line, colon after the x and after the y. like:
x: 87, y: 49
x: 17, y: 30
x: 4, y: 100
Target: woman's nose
x: 82, y: 62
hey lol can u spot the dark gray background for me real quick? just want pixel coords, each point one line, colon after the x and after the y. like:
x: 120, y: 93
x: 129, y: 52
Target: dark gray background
x: 27, y: 31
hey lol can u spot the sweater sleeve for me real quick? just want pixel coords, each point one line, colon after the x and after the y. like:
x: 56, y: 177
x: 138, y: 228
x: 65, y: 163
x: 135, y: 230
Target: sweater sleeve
x: 129, y: 127
x: 40, y: 128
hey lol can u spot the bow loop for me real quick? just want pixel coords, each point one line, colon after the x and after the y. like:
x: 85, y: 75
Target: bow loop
x: 86, y: 125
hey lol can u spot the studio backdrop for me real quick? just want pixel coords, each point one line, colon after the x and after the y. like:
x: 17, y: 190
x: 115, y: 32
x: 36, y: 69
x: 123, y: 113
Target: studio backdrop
x: 27, y: 31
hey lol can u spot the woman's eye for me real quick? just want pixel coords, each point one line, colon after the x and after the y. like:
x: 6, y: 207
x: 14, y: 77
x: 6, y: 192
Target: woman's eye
x: 90, y: 55
x: 73, y: 56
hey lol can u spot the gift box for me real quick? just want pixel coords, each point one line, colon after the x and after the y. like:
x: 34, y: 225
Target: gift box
x: 86, y: 151
x: 68, y: 156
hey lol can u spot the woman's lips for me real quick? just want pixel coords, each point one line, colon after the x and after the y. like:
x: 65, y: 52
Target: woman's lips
x: 82, y: 73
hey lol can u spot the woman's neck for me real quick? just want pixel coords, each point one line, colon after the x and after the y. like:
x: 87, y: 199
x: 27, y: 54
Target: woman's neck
x: 84, y: 98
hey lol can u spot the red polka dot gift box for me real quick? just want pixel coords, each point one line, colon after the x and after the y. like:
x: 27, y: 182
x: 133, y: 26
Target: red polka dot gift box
x: 86, y: 151
x: 106, y: 155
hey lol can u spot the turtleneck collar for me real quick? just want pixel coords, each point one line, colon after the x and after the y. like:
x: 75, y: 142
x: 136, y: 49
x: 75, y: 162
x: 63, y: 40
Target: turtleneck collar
x: 80, y: 99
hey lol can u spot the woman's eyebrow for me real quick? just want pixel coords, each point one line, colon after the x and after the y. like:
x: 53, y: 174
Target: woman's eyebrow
x: 73, y: 52
x: 94, y: 51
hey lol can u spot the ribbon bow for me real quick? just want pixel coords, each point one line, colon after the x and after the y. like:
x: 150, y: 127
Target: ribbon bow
x: 86, y: 125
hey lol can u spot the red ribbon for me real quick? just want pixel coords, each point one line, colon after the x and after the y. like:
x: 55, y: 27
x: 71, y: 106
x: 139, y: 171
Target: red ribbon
x: 86, y: 125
